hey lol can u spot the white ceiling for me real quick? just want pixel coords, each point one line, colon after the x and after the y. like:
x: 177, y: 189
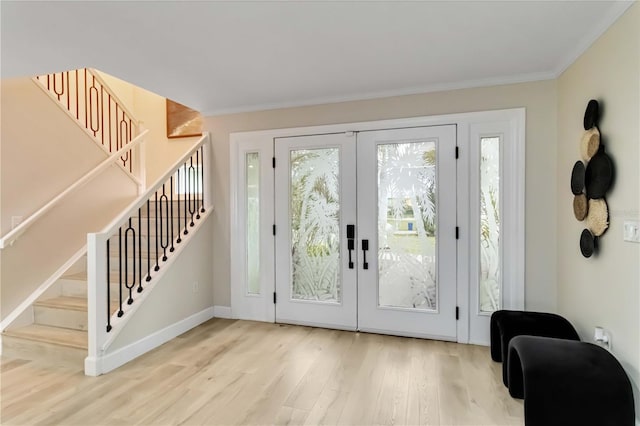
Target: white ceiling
x: 236, y: 56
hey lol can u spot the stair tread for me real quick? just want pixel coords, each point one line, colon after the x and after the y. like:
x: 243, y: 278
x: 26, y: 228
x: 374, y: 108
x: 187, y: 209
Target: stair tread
x: 53, y: 335
x: 64, y: 302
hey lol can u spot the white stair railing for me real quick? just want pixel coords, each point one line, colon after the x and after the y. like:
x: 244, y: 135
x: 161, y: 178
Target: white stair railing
x: 131, y: 253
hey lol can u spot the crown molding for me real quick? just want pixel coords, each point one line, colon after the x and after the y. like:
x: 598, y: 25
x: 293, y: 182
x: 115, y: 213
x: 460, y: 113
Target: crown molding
x: 432, y: 88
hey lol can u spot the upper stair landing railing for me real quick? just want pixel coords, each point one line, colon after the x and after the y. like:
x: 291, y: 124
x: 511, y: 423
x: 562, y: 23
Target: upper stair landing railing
x: 87, y: 98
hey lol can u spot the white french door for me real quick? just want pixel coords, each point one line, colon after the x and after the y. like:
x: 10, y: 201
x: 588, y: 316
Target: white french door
x: 366, y: 231
x: 315, y: 187
x: 407, y: 217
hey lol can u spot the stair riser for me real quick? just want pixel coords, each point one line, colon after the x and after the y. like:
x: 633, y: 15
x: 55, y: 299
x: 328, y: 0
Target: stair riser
x: 15, y: 347
x: 74, y: 288
x: 57, y: 317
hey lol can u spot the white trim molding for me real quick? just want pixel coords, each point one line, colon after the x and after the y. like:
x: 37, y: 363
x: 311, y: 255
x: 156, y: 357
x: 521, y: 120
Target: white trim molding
x: 95, y: 366
x: 222, y: 311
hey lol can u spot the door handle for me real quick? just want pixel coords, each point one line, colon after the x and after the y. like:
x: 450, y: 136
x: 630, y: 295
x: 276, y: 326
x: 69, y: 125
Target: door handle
x: 351, y: 233
x: 365, y: 247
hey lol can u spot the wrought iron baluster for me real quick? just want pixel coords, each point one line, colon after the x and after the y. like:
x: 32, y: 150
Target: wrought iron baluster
x: 148, y: 243
x: 108, y: 288
x: 186, y: 197
x: 202, y: 180
x: 140, y: 250
x: 164, y: 236
x: 155, y: 219
x: 179, y: 240
x: 120, y: 311
x: 131, y: 230
x: 192, y: 196
x: 171, y: 221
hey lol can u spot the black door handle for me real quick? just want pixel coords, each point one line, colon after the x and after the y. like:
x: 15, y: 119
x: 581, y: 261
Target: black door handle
x: 351, y: 234
x: 365, y: 247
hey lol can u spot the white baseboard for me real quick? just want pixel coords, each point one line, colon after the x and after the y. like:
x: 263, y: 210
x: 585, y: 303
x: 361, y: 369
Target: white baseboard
x: 95, y: 366
x: 222, y: 311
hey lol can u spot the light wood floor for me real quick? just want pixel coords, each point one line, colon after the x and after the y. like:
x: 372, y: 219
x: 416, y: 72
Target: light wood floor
x: 241, y: 372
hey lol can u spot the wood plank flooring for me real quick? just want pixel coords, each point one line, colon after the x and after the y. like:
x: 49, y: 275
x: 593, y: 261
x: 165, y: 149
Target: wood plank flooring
x: 240, y: 372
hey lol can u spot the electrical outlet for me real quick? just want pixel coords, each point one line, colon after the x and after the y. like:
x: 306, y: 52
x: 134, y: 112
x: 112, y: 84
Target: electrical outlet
x: 632, y: 231
x: 15, y: 221
x: 196, y: 286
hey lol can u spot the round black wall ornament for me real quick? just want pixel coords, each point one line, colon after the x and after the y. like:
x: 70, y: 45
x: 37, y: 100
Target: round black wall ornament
x: 591, y: 114
x: 577, y: 178
x: 598, y: 175
x: 587, y: 243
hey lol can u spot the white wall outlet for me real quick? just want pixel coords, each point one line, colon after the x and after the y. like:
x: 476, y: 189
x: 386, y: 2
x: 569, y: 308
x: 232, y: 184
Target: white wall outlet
x: 632, y: 231
x: 196, y: 286
x: 15, y: 221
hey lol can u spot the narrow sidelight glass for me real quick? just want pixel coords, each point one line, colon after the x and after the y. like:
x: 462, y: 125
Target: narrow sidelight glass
x: 490, y: 267
x: 252, y: 215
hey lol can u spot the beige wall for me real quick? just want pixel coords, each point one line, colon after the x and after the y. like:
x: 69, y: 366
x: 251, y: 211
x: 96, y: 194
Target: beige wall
x: 43, y: 151
x: 173, y: 298
x: 150, y: 110
x: 603, y: 290
x: 539, y: 98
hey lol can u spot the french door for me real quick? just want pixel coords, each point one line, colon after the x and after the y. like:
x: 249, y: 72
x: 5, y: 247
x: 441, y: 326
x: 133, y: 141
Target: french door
x: 366, y: 231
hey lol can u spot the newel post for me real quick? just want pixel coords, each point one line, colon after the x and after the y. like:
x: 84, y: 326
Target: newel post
x: 97, y: 300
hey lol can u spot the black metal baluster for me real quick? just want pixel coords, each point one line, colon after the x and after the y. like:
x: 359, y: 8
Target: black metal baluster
x: 126, y: 261
x: 140, y: 250
x: 148, y: 243
x: 186, y: 197
x: 202, y: 179
x: 164, y: 236
x: 192, y: 197
x: 198, y: 171
x: 108, y: 288
x: 171, y: 221
x: 155, y: 219
x: 120, y: 311
x: 179, y: 240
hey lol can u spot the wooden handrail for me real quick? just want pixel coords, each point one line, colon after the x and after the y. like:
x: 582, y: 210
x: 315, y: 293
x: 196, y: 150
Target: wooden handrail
x: 12, y: 236
x: 142, y: 198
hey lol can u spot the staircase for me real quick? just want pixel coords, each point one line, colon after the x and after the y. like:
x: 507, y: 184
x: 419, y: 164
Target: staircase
x: 60, y: 316
x: 77, y: 313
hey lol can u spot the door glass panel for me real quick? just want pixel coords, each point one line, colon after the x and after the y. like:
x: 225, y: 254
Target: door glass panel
x: 490, y: 268
x: 252, y: 170
x: 315, y: 225
x: 407, y: 225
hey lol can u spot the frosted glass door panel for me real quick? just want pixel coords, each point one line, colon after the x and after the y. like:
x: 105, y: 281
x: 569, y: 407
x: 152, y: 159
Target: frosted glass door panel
x: 315, y: 224
x: 407, y: 225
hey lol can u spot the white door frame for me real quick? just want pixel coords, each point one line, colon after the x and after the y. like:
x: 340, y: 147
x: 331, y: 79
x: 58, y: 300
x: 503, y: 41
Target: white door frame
x: 514, y: 195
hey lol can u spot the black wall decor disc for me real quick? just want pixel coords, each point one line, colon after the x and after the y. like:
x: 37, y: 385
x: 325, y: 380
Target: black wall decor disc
x: 587, y: 243
x: 598, y: 175
x: 591, y: 114
x: 577, y: 178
